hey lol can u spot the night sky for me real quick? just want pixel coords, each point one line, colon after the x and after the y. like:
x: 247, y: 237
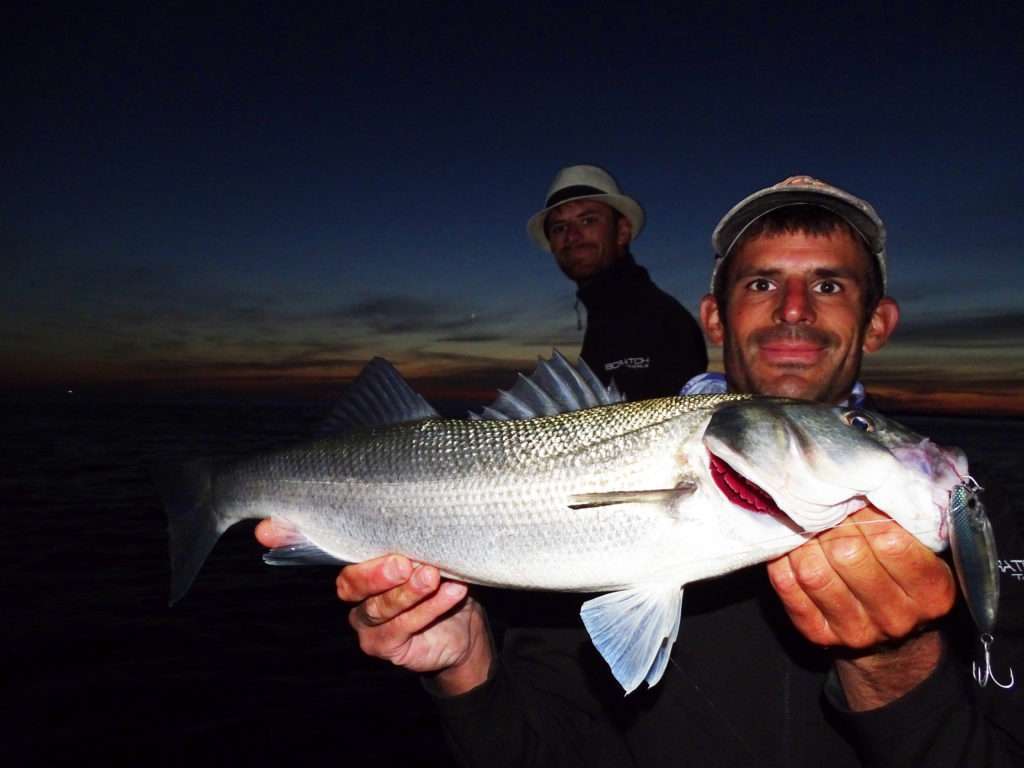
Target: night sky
x: 266, y: 197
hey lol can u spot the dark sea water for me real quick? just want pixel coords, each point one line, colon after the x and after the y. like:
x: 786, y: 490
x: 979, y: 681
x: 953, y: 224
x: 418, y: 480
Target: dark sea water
x: 257, y: 665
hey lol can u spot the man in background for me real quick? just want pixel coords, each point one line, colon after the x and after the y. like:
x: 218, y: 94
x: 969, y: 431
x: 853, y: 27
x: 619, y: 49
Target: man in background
x: 637, y: 335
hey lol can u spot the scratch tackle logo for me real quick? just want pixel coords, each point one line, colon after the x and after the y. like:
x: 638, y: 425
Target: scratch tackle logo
x: 628, y: 362
x: 1012, y: 568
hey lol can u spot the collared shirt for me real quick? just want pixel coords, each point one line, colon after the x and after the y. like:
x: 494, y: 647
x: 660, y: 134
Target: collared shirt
x: 714, y: 383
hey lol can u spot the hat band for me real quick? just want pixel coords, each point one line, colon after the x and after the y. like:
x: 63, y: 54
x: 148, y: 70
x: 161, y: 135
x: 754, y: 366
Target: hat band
x: 579, y: 190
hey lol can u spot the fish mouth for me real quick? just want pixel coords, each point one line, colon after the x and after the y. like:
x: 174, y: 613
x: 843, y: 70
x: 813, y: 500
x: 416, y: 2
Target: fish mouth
x: 741, y: 491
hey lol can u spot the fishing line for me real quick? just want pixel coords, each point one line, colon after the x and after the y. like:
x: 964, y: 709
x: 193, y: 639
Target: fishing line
x: 809, y: 535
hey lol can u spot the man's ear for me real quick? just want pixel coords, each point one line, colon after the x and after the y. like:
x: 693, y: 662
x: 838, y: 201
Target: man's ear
x: 711, y: 320
x: 625, y: 231
x: 882, y: 323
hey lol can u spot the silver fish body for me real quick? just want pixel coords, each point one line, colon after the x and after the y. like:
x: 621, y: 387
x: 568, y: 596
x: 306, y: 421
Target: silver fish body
x: 974, y: 553
x: 491, y: 502
x: 632, y: 499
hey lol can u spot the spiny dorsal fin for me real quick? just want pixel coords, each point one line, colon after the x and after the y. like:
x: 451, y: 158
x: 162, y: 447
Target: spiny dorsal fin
x: 556, y: 386
x: 378, y: 396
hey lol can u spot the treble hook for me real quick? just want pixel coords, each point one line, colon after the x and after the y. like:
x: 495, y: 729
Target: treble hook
x: 982, y: 676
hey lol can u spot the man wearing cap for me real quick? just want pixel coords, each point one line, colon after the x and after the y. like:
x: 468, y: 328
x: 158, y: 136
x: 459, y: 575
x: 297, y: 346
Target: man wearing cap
x: 637, y: 335
x: 842, y: 653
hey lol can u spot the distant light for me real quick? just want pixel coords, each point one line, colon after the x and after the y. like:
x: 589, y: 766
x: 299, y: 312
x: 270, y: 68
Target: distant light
x: 71, y: 391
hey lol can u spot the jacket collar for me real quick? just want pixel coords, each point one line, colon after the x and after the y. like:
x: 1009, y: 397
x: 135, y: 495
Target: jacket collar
x: 622, y: 276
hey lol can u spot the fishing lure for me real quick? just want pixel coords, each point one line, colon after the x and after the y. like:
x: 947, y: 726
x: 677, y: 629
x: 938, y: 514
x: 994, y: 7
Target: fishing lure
x: 977, y: 568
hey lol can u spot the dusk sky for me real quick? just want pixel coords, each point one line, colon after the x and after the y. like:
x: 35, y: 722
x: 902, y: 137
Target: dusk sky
x: 269, y: 196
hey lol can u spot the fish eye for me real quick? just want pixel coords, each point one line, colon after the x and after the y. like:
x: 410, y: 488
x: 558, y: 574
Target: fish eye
x: 859, y: 420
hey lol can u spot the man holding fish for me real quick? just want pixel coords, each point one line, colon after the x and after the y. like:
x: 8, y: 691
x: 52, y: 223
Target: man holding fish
x: 834, y: 656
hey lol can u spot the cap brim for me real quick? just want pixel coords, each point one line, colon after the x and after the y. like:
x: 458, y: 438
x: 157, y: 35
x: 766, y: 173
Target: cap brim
x: 627, y: 206
x: 732, y: 226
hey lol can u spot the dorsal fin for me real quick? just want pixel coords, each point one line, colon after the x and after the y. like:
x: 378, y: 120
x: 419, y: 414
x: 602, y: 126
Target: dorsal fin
x: 378, y: 396
x: 556, y: 386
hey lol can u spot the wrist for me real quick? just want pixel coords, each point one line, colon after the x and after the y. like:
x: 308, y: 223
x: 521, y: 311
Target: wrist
x: 874, y: 678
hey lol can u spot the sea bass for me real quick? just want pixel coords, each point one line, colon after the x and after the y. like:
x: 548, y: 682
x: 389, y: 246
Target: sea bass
x: 562, y: 486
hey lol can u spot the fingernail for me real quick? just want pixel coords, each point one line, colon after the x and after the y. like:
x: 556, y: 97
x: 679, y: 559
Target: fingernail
x: 453, y: 590
x: 397, y: 569
x: 421, y: 578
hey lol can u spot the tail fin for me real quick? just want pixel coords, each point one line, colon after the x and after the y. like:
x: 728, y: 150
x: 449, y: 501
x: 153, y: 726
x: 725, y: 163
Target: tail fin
x: 193, y: 522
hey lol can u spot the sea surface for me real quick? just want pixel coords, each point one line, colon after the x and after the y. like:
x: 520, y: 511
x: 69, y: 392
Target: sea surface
x: 256, y: 665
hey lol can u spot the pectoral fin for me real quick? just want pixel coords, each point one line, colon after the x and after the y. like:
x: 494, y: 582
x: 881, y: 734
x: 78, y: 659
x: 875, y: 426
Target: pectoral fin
x: 634, y: 631
x: 656, y: 496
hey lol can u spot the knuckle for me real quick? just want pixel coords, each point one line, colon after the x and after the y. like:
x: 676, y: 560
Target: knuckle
x: 781, y: 577
x: 895, y: 627
x: 813, y: 574
x: 892, y: 544
x: 859, y: 634
x: 942, y: 601
x: 862, y: 638
x: 369, y: 645
x: 355, y: 619
x: 365, y: 615
x: 346, y: 590
x: 848, y: 553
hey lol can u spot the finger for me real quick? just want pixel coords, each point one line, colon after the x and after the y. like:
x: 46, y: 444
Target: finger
x: 273, y: 532
x: 865, y: 604
x: 423, y: 583
x: 802, y: 611
x: 923, y: 577
x: 817, y: 600
x: 360, y: 581
x: 390, y: 638
x: 899, y: 583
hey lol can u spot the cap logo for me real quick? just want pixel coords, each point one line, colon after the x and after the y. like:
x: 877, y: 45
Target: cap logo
x: 804, y: 181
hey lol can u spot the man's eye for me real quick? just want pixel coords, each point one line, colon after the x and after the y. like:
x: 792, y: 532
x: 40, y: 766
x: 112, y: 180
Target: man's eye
x: 556, y: 229
x: 588, y: 220
x: 828, y: 287
x: 760, y: 285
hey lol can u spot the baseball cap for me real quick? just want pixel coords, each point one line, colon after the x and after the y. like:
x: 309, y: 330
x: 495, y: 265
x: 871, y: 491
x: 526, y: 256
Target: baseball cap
x: 799, y: 190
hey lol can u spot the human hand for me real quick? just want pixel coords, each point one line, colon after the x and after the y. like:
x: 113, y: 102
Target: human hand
x: 405, y: 613
x: 863, y: 584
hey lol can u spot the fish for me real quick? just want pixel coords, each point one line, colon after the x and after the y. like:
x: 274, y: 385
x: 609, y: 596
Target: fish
x: 974, y: 553
x: 561, y: 484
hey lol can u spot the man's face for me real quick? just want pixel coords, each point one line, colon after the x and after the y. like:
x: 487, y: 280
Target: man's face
x: 794, y: 324
x: 586, y: 237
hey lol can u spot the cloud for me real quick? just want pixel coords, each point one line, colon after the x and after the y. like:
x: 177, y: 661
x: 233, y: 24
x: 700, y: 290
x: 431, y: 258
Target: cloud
x: 473, y: 338
x: 564, y: 342
x: 979, y: 330
x: 395, y: 314
x: 212, y: 368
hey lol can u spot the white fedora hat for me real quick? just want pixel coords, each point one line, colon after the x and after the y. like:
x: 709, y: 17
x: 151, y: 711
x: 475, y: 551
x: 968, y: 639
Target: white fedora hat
x: 584, y: 182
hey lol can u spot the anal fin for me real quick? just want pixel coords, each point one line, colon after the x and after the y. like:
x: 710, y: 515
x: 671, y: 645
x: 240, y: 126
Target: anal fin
x: 634, y: 630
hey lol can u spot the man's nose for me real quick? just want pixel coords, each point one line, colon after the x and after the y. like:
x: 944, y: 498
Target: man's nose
x: 795, y: 302
x: 572, y: 233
